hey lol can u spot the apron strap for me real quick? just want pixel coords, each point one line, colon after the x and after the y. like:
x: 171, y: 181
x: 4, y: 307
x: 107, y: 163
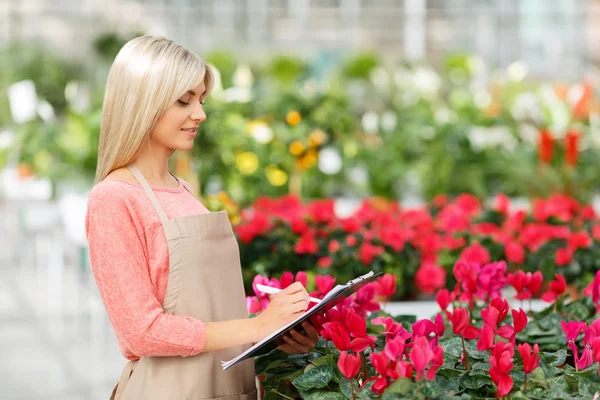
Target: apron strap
x: 138, y: 175
x: 185, y: 187
x: 127, y: 371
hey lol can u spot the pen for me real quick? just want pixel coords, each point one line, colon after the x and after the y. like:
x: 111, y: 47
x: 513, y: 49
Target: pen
x: 272, y: 290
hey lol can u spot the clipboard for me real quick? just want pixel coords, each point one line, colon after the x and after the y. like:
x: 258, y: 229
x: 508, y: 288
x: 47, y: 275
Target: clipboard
x: 274, y: 340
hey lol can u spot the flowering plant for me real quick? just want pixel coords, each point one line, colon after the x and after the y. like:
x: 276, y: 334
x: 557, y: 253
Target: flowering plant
x: 420, y: 246
x: 478, y: 346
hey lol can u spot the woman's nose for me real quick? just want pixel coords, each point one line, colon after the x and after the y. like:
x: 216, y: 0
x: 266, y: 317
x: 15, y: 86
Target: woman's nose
x: 199, y: 114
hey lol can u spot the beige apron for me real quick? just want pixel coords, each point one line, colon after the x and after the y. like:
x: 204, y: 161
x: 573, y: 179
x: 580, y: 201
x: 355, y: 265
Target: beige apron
x: 205, y: 282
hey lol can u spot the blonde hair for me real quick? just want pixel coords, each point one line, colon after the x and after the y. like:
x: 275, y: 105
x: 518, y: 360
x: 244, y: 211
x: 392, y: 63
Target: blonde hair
x: 148, y: 75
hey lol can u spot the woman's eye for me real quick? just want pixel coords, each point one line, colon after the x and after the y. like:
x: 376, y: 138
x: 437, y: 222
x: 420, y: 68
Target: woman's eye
x: 183, y: 103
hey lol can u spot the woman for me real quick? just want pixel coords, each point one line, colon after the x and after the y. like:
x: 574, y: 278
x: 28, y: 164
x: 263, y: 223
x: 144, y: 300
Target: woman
x: 167, y: 269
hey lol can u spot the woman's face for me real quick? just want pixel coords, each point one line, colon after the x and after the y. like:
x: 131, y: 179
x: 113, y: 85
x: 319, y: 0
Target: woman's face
x: 176, y: 128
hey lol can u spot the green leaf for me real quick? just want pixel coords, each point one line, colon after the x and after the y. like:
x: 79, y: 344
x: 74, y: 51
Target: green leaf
x: 557, y: 358
x: 320, y: 395
x: 317, y: 377
x: 346, y: 386
x: 453, y: 347
x: 537, y: 379
x: 402, y: 386
x: 588, y: 387
x: 481, y: 366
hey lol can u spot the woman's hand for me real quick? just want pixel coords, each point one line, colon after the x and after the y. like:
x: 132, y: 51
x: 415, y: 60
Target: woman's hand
x: 285, y: 307
x: 297, y: 343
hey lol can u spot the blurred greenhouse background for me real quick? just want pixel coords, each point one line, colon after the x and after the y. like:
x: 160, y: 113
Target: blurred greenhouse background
x: 332, y: 99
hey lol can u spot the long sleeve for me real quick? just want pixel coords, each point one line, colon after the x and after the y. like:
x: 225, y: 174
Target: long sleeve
x: 119, y: 258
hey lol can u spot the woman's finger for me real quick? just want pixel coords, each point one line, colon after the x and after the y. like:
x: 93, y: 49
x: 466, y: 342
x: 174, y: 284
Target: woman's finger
x: 297, y: 347
x: 303, y: 340
x: 311, y: 331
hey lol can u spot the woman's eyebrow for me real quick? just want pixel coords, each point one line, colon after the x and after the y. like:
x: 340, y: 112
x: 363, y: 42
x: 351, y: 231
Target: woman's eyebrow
x: 194, y: 93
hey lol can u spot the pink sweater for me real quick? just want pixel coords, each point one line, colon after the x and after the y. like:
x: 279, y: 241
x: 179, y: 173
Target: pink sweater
x: 130, y: 261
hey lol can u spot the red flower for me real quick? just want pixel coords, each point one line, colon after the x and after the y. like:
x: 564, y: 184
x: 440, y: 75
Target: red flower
x: 519, y: 320
x: 321, y: 210
x: 572, y: 147
x: 299, y: 225
x: 430, y: 278
x: 563, y: 256
x: 475, y: 253
x: 557, y: 287
x: 307, y: 244
x: 363, y: 300
x: 531, y: 360
x: 368, y: 252
x: 461, y: 326
x: 350, y: 225
x: 579, y: 240
x: 324, y: 262
x: 349, y: 364
x: 386, y: 285
x: 466, y: 274
x: 546, y: 146
x: 514, y: 252
x: 394, y: 237
x: 443, y: 299
x: 338, y: 334
x: 501, y: 365
x: 526, y: 284
x: 502, y: 204
x: 333, y: 246
x: 351, y: 240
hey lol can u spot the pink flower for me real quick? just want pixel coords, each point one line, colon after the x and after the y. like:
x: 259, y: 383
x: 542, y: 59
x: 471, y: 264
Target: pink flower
x: 394, y: 348
x: 349, y: 364
x: 254, y: 304
x: 324, y: 284
x: 302, y: 278
x: 491, y: 280
x: 430, y: 278
x: 593, y: 289
x: 557, y: 287
x: 420, y: 356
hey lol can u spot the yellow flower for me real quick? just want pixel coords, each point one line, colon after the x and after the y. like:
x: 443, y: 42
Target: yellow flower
x: 317, y: 137
x: 247, y: 162
x: 296, y: 148
x: 293, y: 118
x: 307, y: 161
x: 275, y: 176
